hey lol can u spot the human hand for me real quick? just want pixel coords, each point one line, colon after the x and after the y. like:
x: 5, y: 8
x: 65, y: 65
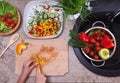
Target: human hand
x: 40, y: 78
x: 28, y: 66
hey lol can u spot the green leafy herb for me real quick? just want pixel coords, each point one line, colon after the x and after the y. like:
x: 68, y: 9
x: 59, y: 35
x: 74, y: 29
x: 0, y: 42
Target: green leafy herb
x: 6, y: 8
x: 75, y: 6
x: 3, y: 28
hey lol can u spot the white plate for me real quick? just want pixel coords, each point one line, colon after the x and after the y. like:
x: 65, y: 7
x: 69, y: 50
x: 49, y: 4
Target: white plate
x: 28, y: 11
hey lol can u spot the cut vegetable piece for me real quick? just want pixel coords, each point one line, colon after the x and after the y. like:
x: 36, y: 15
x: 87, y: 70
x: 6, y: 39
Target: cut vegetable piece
x: 45, y: 16
x: 29, y: 28
x: 30, y: 21
x: 34, y: 23
x: 20, y: 47
x: 104, y: 53
x: 56, y: 15
x: 51, y: 15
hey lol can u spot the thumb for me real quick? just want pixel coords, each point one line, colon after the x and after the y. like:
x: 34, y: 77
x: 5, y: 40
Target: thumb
x: 38, y: 70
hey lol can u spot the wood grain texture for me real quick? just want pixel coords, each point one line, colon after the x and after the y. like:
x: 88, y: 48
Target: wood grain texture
x: 57, y: 67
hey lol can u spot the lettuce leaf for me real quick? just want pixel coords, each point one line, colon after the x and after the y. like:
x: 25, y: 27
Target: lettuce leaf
x: 4, y: 28
x: 2, y: 25
x: 6, y: 8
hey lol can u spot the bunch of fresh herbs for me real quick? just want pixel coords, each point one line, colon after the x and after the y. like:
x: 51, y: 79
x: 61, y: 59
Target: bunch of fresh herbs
x: 75, y: 6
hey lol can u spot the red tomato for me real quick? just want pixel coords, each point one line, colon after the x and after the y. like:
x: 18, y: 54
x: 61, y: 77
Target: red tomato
x: 12, y: 25
x: 97, y: 44
x: 86, y: 49
x: 3, y: 18
x: 97, y: 37
x: 47, y: 7
x: 91, y: 53
x: 96, y: 57
x: 15, y: 22
x: 103, y: 33
x: 97, y: 48
x: 7, y: 24
x: 57, y: 9
x: 9, y: 15
x: 92, y: 40
x: 101, y: 38
x: 96, y: 32
x: 90, y: 45
x: 9, y: 20
x: 58, y: 18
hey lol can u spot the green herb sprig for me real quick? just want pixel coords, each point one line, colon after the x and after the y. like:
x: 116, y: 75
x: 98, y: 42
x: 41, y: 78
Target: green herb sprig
x: 75, y: 6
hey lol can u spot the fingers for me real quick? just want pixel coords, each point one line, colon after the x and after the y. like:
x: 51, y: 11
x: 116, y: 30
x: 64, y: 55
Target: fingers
x: 38, y: 70
x: 28, y: 62
x: 33, y: 66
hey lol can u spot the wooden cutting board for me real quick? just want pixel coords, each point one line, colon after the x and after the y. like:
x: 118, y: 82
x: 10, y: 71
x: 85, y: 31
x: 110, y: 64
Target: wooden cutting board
x: 59, y: 66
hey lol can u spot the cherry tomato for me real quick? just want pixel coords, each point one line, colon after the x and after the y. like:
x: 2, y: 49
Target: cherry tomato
x: 57, y: 9
x: 103, y: 33
x: 96, y: 32
x: 96, y: 57
x: 101, y: 38
x: 47, y: 7
x: 31, y: 33
x: 91, y: 53
x: 9, y: 15
x: 97, y: 44
x: 98, y: 38
x: 97, y: 48
x: 58, y: 18
x: 12, y: 25
x: 92, y: 40
x: 3, y: 18
x: 90, y: 45
x: 15, y: 22
x: 9, y: 20
x: 7, y: 24
x: 86, y: 49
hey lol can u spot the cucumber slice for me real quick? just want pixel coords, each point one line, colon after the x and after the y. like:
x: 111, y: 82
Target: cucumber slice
x: 51, y: 15
x: 104, y: 53
x: 34, y: 23
x: 56, y: 15
x: 29, y: 28
x: 45, y: 16
x: 30, y: 21
x: 48, y: 13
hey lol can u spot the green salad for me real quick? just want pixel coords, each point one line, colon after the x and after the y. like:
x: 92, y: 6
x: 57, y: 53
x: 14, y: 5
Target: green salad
x: 8, y: 17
